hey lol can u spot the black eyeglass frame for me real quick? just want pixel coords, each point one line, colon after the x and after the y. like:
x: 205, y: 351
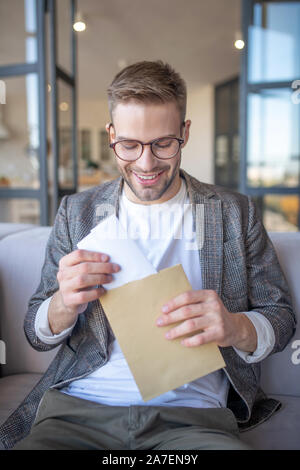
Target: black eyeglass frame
x: 179, y: 140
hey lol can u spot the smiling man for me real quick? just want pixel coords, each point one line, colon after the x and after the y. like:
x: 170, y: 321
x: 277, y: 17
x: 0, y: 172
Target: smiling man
x: 150, y: 169
x: 88, y: 398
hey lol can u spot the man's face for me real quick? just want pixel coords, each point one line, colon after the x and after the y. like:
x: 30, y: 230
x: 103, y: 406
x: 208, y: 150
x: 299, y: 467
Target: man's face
x: 146, y: 122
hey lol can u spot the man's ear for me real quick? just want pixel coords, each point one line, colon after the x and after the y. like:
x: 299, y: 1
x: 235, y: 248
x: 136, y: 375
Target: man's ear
x: 186, y: 132
x: 110, y: 130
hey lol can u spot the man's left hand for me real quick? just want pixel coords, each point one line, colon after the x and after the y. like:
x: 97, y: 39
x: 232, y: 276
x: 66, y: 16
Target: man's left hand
x: 203, y: 312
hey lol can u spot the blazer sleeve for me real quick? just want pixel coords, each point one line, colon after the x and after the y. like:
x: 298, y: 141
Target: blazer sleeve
x: 268, y: 290
x: 58, y: 245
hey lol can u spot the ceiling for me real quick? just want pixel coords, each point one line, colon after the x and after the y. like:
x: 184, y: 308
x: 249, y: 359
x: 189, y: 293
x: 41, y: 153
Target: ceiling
x: 195, y: 36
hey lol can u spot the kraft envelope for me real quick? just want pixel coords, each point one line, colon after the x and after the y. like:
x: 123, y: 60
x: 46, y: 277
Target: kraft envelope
x: 158, y: 365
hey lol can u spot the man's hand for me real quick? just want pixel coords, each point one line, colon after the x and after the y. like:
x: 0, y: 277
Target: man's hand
x: 78, y: 273
x: 203, y: 312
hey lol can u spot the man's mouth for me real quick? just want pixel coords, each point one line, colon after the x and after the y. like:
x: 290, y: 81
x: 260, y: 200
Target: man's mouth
x: 148, y: 179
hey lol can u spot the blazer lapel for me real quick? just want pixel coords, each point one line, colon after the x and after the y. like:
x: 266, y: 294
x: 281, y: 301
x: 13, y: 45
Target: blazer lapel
x: 208, y: 224
x: 212, y: 253
x: 107, y: 201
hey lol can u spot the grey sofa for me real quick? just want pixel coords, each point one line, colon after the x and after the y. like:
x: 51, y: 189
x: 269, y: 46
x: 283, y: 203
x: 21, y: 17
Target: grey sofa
x: 22, y: 250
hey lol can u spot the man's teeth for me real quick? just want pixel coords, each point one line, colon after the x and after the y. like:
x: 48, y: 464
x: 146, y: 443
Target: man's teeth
x: 148, y: 177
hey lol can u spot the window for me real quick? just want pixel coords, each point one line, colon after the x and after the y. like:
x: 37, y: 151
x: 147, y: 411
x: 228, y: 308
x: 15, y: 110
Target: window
x: 270, y: 117
x: 38, y: 164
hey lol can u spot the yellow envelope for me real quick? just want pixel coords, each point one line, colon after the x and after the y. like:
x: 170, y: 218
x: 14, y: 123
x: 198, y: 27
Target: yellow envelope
x: 157, y: 364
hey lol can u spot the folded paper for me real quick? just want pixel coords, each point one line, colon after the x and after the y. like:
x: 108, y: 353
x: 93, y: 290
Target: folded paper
x: 157, y: 364
x: 110, y: 238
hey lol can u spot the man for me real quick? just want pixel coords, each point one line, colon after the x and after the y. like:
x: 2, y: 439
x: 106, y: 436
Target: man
x: 87, y: 399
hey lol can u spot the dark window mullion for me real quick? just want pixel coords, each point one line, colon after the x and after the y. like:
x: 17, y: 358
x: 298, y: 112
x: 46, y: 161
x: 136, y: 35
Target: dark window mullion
x: 43, y: 171
x: 14, y: 70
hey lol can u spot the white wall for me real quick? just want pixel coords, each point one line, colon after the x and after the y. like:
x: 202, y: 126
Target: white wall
x: 197, y: 156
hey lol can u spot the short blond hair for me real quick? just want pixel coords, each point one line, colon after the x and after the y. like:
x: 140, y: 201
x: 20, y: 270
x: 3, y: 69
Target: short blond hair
x: 148, y: 82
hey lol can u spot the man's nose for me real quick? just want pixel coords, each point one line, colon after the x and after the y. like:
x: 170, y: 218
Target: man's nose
x: 147, y: 161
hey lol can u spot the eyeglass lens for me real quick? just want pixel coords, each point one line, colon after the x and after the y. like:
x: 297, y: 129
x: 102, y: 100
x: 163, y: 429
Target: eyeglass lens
x: 166, y: 147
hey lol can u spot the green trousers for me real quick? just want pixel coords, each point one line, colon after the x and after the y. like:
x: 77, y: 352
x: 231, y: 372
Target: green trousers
x: 71, y: 423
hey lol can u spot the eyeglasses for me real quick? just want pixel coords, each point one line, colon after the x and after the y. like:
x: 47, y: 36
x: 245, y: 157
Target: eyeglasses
x: 163, y: 148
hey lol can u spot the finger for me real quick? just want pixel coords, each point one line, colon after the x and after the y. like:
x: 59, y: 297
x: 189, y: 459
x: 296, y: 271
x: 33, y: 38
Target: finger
x: 88, y: 268
x: 187, y: 311
x: 87, y: 296
x: 80, y: 256
x: 204, y: 337
x: 87, y: 280
x: 188, y: 297
x: 187, y: 327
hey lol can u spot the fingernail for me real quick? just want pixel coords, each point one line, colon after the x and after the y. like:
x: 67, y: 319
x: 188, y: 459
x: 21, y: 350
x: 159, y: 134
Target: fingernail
x: 104, y: 257
x: 164, y: 308
x: 168, y: 335
x: 116, y: 268
x: 159, y: 321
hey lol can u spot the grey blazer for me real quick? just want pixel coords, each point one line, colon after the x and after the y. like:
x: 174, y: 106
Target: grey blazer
x: 237, y: 259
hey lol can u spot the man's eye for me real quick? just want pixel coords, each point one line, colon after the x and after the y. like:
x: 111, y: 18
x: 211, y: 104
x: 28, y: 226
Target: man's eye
x: 164, y: 143
x: 129, y: 145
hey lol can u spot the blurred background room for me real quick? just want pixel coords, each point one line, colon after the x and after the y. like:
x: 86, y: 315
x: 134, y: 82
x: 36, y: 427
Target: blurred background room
x: 241, y: 63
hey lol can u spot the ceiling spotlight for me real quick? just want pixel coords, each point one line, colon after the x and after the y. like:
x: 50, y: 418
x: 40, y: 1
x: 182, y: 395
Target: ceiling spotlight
x: 79, y: 23
x: 64, y: 106
x: 239, y: 43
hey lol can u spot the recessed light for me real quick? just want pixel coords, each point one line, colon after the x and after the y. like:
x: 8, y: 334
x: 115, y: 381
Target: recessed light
x: 79, y: 23
x: 239, y: 44
x: 64, y: 106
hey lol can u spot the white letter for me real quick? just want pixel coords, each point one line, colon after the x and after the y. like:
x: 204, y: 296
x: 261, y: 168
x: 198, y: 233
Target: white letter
x: 296, y: 354
x: 2, y: 352
x: 198, y: 242
x: 2, y: 92
x: 295, y: 98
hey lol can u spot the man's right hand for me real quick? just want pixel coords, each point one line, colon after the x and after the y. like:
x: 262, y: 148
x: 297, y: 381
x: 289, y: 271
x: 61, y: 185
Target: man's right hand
x: 78, y: 272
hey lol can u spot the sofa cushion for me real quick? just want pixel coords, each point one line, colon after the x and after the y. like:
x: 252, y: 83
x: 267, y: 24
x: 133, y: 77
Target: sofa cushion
x: 280, y: 372
x: 281, y: 431
x: 14, y: 388
x: 10, y: 228
x: 21, y: 259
